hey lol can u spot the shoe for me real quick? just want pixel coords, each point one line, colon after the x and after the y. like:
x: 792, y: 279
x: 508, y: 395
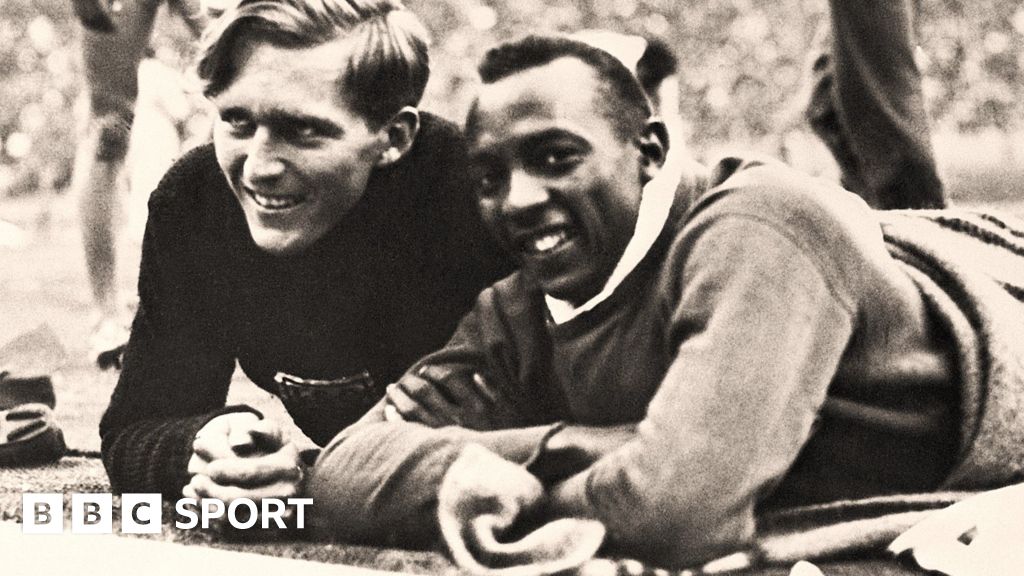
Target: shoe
x: 17, y: 391
x: 29, y: 436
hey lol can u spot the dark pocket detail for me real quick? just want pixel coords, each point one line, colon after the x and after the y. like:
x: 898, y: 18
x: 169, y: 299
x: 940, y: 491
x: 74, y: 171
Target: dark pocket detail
x: 323, y: 407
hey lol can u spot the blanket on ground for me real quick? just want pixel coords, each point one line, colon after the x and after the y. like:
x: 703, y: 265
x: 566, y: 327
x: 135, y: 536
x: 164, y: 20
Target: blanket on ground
x: 970, y: 267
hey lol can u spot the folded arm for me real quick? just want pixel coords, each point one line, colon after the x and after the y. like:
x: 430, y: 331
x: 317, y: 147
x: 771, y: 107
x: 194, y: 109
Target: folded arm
x: 759, y: 338
x: 378, y: 480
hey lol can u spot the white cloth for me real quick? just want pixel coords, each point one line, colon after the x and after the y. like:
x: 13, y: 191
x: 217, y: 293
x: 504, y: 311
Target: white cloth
x: 655, y: 205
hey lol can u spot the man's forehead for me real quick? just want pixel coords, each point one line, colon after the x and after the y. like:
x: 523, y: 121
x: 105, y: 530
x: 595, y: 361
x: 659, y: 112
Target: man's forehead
x: 560, y: 90
x: 326, y: 60
x: 565, y: 78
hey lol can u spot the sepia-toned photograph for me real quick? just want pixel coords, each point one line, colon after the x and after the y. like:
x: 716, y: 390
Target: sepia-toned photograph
x: 512, y: 288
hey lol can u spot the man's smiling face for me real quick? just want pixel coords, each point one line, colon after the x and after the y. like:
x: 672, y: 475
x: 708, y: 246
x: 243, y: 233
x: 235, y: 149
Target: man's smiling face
x: 295, y: 154
x: 555, y: 181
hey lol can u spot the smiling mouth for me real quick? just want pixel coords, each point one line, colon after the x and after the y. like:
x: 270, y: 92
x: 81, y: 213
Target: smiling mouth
x: 275, y: 202
x: 546, y: 241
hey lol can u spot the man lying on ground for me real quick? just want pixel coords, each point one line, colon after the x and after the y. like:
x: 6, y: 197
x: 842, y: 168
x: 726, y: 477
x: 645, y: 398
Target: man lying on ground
x: 673, y: 362
x: 325, y: 240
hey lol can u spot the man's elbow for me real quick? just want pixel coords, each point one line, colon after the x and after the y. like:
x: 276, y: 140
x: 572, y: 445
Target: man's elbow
x: 377, y: 484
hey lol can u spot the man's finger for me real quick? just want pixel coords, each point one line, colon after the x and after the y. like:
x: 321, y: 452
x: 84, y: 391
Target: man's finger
x: 205, y: 487
x: 255, y: 471
x: 411, y: 410
x: 197, y: 465
x: 391, y: 414
x: 427, y: 392
x: 190, y: 492
x: 484, y: 389
x: 459, y: 390
x: 241, y: 441
x: 267, y: 434
x: 212, y: 447
x: 434, y: 374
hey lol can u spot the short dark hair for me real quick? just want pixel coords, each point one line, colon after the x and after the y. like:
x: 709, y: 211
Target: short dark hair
x: 387, y: 71
x: 626, y: 105
x: 657, y: 63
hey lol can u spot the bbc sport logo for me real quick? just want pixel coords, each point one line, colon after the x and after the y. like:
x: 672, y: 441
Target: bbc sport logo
x: 143, y: 513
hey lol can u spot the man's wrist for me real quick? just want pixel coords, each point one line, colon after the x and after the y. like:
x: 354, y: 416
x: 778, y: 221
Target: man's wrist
x: 568, y: 498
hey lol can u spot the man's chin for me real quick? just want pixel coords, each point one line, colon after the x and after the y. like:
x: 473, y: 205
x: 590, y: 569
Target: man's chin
x: 566, y: 288
x: 278, y: 244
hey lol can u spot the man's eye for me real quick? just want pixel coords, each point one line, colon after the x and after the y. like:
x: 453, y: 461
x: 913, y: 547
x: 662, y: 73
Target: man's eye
x: 240, y: 125
x: 559, y: 158
x: 304, y: 131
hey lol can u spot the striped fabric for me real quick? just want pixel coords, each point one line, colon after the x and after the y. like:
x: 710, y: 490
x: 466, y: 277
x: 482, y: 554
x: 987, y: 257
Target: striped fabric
x: 970, y: 267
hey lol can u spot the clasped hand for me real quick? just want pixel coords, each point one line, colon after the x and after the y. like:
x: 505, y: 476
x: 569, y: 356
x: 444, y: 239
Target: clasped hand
x: 239, y: 455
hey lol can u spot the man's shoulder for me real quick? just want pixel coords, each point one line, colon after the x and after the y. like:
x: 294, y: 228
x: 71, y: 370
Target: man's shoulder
x: 193, y: 186
x: 513, y: 295
x: 439, y: 145
x: 776, y: 194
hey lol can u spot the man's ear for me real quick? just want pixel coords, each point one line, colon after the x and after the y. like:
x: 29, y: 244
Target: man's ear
x: 401, y: 131
x: 653, y: 144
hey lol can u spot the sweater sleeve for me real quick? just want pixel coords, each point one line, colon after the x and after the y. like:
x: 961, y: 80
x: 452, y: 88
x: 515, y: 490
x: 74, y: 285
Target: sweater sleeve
x: 758, y: 334
x: 176, y: 369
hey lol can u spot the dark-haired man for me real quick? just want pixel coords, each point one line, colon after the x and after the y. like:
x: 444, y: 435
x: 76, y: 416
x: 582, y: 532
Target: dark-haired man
x: 666, y: 361
x: 324, y: 241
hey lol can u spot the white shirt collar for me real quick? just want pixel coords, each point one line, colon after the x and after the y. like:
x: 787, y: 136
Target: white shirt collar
x: 655, y: 206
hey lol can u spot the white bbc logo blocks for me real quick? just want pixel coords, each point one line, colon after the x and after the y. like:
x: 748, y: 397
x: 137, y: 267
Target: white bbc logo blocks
x: 92, y: 513
x: 42, y: 513
x: 141, y: 514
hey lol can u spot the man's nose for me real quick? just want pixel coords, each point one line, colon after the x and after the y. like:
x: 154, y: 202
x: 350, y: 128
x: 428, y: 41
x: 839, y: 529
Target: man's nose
x: 526, y: 193
x: 263, y: 158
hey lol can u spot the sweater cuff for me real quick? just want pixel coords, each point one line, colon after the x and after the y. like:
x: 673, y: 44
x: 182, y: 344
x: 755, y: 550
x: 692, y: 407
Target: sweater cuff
x: 152, y: 455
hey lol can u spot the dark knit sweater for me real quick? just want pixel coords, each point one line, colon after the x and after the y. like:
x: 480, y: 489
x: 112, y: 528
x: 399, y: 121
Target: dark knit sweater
x: 385, y: 286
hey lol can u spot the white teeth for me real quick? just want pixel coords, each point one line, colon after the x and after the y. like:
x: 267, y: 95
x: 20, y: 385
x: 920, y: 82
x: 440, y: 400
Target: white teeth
x: 276, y: 202
x: 548, y: 241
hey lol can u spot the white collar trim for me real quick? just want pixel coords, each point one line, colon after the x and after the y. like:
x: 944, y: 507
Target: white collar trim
x: 655, y: 206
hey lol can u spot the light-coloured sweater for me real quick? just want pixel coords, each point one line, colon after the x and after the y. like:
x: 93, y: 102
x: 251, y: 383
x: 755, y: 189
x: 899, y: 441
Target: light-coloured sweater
x: 767, y: 351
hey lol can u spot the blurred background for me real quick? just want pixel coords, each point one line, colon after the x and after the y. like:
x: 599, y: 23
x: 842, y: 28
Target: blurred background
x: 744, y: 64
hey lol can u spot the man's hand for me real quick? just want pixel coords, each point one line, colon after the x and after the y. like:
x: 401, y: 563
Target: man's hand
x: 483, y: 495
x: 239, y: 455
x: 440, y: 396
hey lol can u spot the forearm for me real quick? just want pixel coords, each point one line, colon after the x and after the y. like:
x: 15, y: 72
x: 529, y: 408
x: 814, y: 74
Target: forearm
x: 377, y: 482
x: 152, y: 455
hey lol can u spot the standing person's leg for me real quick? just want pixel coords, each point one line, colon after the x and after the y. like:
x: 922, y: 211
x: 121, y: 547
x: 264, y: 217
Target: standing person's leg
x: 880, y: 135
x: 110, y: 61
